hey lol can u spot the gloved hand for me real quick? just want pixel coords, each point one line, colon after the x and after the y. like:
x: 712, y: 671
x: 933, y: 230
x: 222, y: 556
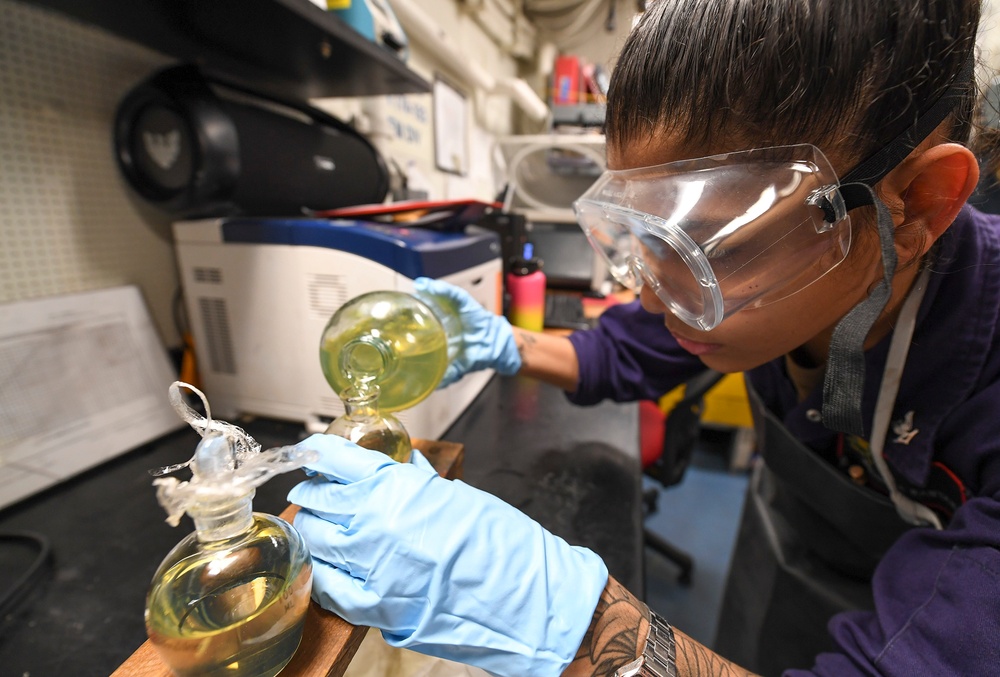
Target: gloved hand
x: 419, y: 460
x: 441, y: 567
x: 487, y: 337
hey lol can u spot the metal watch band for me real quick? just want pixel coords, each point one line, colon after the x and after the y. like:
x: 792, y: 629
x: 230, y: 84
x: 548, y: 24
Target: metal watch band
x: 658, y: 658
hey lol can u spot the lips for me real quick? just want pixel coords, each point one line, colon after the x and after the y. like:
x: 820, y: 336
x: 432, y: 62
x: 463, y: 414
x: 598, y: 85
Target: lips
x: 697, y: 347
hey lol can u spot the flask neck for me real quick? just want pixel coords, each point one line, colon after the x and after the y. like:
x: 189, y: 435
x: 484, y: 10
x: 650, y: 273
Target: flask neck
x: 222, y: 520
x: 367, y: 359
x: 361, y: 404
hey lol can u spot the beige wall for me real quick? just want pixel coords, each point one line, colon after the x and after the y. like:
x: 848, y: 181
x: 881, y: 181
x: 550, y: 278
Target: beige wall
x: 595, y: 42
x: 69, y: 223
x: 402, y: 126
x: 989, y: 36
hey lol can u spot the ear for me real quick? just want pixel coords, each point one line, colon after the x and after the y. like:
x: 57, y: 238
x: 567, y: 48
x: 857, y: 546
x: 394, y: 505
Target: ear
x: 934, y: 185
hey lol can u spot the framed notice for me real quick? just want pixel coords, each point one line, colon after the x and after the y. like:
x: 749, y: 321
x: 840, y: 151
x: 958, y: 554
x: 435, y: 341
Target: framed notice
x: 451, y: 129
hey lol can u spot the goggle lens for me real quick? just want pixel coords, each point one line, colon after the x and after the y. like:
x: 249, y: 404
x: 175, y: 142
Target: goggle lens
x: 713, y: 235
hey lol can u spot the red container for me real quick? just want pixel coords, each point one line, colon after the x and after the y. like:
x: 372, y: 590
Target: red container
x: 566, y: 80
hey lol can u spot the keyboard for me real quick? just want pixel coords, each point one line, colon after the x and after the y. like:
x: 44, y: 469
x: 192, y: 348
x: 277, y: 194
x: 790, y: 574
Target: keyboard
x: 565, y: 311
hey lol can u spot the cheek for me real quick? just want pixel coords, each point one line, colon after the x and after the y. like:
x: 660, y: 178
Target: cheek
x: 758, y: 336
x: 753, y: 337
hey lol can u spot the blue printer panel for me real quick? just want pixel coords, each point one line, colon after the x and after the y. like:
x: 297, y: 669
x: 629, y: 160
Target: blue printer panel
x: 412, y: 252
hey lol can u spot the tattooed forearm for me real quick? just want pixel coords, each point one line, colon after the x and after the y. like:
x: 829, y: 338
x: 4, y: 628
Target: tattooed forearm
x: 525, y: 342
x: 695, y: 660
x: 616, y: 635
x: 548, y: 357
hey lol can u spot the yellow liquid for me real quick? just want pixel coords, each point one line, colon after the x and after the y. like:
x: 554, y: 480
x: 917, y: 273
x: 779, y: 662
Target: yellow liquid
x: 418, y: 358
x: 393, y: 443
x: 398, y: 447
x: 235, y: 612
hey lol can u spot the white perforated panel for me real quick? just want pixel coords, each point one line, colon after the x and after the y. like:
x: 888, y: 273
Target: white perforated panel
x: 67, y: 220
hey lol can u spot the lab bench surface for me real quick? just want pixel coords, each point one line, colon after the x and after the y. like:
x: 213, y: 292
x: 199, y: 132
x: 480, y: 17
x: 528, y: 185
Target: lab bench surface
x: 574, y: 469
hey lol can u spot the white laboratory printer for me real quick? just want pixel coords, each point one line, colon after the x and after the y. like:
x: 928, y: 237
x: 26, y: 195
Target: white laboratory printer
x: 259, y: 292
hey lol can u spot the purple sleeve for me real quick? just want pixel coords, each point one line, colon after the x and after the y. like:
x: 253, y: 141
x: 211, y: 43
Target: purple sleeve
x: 937, y: 599
x: 629, y: 356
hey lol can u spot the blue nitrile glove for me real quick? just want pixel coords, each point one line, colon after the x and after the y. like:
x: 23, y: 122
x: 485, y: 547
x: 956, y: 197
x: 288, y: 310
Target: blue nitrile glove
x: 488, y: 339
x: 440, y: 567
x: 419, y: 460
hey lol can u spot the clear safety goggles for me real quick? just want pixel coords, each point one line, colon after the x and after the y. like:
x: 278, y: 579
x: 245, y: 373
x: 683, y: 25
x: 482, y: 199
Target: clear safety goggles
x: 713, y: 235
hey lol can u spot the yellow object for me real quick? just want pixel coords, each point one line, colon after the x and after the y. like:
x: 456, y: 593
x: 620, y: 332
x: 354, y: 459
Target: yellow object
x: 366, y: 426
x: 338, y: 4
x: 393, y: 340
x: 189, y: 363
x: 726, y: 404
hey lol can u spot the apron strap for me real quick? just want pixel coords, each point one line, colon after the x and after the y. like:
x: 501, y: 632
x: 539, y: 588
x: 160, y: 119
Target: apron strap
x: 910, y: 510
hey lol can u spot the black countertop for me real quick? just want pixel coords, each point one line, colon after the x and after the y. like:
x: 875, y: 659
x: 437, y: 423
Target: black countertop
x: 574, y: 469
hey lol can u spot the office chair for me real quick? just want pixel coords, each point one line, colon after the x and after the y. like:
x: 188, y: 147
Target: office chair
x: 666, y: 461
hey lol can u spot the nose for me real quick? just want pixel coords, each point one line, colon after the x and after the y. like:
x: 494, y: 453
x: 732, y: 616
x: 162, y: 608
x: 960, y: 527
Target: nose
x: 650, y: 302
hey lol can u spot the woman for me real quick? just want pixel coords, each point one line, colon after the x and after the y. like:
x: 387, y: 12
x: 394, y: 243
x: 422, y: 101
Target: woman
x: 787, y: 183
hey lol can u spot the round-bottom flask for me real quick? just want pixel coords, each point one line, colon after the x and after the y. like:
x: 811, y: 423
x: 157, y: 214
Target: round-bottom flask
x: 400, y: 342
x: 364, y: 424
x: 230, y: 599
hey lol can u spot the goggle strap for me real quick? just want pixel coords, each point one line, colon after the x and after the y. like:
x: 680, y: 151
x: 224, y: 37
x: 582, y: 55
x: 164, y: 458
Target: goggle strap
x: 856, y: 195
x: 844, y: 382
x: 874, y: 168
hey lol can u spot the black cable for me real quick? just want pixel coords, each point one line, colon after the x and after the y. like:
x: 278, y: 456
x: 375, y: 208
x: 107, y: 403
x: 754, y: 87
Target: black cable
x: 34, y: 572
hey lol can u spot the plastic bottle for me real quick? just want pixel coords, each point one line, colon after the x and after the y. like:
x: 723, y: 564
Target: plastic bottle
x: 231, y: 597
x: 526, y: 286
x: 400, y: 342
x: 365, y: 425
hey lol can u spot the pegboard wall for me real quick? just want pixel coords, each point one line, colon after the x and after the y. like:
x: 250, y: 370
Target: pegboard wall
x: 67, y: 220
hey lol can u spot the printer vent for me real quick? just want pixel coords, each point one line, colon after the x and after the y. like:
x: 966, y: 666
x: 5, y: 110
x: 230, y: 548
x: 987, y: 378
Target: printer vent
x: 220, y: 342
x: 327, y: 293
x: 331, y: 405
x: 208, y: 275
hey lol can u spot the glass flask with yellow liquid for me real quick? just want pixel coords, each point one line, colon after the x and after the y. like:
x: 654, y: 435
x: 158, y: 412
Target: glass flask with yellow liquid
x: 231, y: 597
x: 367, y: 426
x: 400, y: 342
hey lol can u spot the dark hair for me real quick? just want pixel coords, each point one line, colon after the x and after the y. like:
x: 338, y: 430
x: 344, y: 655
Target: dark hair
x: 845, y: 74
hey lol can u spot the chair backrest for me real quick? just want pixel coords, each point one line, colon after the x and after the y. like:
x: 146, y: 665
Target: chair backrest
x: 682, y: 429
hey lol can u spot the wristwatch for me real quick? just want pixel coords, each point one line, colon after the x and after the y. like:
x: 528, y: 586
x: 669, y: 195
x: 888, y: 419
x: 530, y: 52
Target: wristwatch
x: 658, y: 658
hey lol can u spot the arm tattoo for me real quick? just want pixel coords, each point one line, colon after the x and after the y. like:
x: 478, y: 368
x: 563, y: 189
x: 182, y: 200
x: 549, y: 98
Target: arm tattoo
x: 525, y: 342
x: 695, y: 660
x: 616, y: 635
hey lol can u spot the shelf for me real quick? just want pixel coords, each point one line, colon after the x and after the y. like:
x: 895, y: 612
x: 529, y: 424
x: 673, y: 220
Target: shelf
x: 287, y: 47
x: 583, y: 115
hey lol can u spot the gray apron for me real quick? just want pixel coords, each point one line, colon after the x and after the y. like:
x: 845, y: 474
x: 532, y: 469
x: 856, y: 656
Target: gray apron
x: 809, y: 538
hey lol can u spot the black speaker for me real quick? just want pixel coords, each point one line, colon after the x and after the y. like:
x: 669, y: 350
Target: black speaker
x: 196, y: 146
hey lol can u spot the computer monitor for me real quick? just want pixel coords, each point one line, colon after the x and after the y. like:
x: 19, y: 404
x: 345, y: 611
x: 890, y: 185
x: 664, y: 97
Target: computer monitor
x: 568, y: 260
